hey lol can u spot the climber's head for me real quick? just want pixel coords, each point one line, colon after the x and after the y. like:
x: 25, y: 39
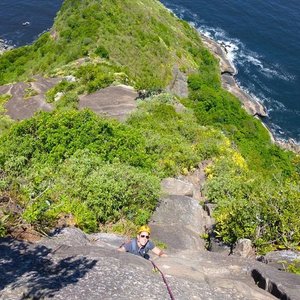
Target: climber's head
x: 143, y: 235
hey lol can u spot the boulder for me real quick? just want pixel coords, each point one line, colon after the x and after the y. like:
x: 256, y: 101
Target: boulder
x: 244, y: 248
x: 176, y: 237
x: 179, y: 85
x: 173, y: 186
x: 182, y: 211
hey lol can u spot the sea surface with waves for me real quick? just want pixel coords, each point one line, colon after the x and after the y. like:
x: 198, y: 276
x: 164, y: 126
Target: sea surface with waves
x: 262, y: 39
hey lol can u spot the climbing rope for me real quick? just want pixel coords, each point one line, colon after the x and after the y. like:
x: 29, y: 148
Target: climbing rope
x: 164, y: 279
x: 155, y: 267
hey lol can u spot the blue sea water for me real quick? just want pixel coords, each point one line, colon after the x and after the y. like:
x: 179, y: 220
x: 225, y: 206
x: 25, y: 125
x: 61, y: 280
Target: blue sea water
x: 264, y: 44
x: 262, y: 39
x: 21, y: 21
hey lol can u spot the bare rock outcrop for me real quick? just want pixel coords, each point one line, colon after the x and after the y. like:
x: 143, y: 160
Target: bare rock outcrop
x: 178, y: 221
x: 178, y: 85
x: 174, y: 186
x: 72, y: 265
x: 21, y: 106
x: 114, y: 101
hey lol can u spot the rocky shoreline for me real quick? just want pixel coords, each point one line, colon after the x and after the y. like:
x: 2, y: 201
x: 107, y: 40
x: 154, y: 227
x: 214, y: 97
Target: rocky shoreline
x: 4, y: 46
x: 228, y: 71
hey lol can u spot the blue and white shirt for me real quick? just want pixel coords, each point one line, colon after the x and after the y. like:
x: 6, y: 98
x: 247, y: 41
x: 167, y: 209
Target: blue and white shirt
x: 133, y: 248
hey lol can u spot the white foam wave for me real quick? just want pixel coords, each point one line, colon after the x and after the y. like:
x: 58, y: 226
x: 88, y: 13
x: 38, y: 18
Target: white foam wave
x: 270, y: 104
x: 268, y: 70
x: 239, y: 54
x: 251, y: 62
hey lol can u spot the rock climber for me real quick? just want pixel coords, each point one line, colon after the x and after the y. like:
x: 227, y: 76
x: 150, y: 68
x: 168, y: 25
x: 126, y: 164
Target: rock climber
x: 141, y: 244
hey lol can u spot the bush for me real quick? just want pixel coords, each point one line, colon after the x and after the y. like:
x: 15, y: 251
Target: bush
x: 63, y: 87
x: 174, y: 140
x: 102, y: 52
x: 52, y: 137
x: 255, y: 207
x: 94, y: 191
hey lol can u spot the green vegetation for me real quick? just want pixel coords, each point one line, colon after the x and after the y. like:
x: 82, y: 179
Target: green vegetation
x: 105, y: 174
x: 114, y: 30
x: 30, y: 92
x: 294, y: 267
x: 254, y: 206
x: 5, y: 121
x: 98, y: 170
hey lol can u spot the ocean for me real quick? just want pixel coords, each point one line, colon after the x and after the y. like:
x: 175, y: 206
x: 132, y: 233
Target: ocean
x: 262, y: 39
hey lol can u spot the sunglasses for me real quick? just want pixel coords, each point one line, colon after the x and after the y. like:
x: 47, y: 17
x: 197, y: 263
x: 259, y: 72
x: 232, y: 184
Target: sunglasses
x: 144, y: 236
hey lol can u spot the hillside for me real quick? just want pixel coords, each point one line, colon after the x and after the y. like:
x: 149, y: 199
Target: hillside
x: 115, y: 31
x: 74, y: 167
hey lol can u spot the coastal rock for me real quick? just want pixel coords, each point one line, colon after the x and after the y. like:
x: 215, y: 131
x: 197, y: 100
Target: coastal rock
x: 290, y: 145
x: 252, y: 107
x: 228, y: 82
x: 225, y: 65
x: 4, y: 46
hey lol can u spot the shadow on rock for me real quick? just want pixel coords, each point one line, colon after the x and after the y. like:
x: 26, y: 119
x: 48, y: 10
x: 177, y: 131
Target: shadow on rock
x: 22, y: 264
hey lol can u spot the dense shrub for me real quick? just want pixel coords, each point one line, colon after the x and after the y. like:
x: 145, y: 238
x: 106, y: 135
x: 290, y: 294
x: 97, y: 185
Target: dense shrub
x: 93, y: 191
x: 62, y: 87
x: 52, y: 137
x: 253, y: 206
x: 98, y: 170
x: 174, y: 139
x: 102, y: 52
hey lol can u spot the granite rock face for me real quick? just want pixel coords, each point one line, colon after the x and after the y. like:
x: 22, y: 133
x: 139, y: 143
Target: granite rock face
x: 179, y: 85
x: 114, y: 101
x: 19, y: 107
x: 177, y: 187
x: 91, y: 268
